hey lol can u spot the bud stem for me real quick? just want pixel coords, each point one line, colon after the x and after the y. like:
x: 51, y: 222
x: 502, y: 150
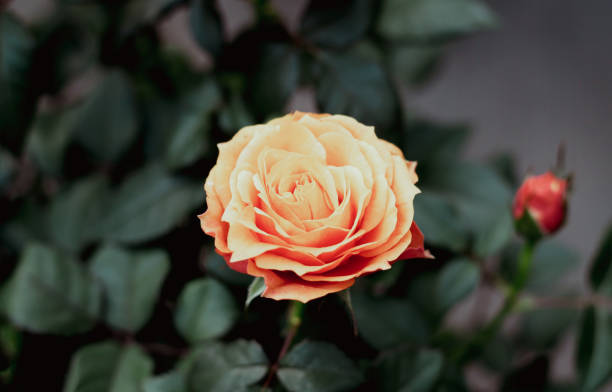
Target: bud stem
x: 491, y: 329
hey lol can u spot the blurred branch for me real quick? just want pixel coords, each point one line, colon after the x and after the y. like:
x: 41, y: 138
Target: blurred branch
x: 164, y: 349
x: 596, y: 300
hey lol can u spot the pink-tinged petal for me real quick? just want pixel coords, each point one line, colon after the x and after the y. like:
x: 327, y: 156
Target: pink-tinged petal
x: 287, y: 136
x: 277, y: 262
x: 344, y: 150
x: 226, y: 162
x: 404, y: 191
x: 210, y: 221
x: 244, y: 244
x: 416, y: 249
x: 357, y: 129
x: 319, y: 128
x: 287, y: 286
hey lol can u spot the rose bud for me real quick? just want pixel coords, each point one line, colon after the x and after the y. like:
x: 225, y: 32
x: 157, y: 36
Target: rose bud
x: 540, y: 205
x: 310, y: 202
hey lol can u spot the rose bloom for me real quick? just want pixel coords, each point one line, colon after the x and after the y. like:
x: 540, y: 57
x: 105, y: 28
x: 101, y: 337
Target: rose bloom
x: 544, y: 198
x: 310, y: 202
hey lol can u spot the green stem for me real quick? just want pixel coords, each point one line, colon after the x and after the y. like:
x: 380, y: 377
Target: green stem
x: 294, y: 320
x: 491, y: 329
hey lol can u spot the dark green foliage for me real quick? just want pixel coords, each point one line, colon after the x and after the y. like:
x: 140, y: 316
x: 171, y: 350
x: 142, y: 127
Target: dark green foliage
x: 336, y: 23
x: 356, y: 86
x: 227, y: 367
x: 107, y: 132
x: 103, y: 367
x: 411, y: 370
x: 318, y: 367
x: 51, y: 293
x: 456, y: 280
x: 131, y: 282
x: 206, y: 25
x: 601, y: 271
x: 432, y: 19
x: 17, y: 46
x: 205, y: 310
x: 385, y: 323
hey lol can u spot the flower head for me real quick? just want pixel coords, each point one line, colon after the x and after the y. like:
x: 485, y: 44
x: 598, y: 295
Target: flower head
x: 541, y: 203
x: 310, y: 202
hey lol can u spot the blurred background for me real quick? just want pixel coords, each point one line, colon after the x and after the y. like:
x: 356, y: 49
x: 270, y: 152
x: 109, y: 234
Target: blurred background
x: 110, y: 112
x: 541, y: 78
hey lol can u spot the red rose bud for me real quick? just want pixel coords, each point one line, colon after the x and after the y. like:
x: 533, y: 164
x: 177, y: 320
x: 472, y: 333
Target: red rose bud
x: 540, y: 205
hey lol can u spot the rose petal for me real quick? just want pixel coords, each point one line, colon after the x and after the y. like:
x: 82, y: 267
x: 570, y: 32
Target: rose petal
x: 287, y: 286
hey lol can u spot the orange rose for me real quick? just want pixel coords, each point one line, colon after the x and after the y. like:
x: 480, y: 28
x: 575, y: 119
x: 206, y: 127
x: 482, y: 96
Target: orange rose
x: 310, y: 202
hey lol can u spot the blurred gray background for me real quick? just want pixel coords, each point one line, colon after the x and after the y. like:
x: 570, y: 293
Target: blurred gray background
x: 545, y: 76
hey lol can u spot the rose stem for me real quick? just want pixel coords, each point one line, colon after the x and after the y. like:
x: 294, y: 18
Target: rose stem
x: 294, y: 319
x: 522, y: 273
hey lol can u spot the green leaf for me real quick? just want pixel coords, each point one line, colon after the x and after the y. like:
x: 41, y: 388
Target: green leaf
x: 206, y: 26
x: 107, y: 123
x: 169, y: 382
x: 50, y: 293
x: 421, y: 293
x: 495, y: 233
x: 455, y: 281
x: 17, y: 104
x: 440, y: 222
x: 601, y: 273
x: 542, y: 328
x: 503, y: 163
x: 256, y: 288
x: 386, y: 322
x: 49, y: 137
x: 131, y: 281
x: 413, y: 65
x: 179, y: 128
x: 174, y: 380
x: 235, y: 115
x: 148, y: 204
x: 318, y: 367
x: 205, y: 310
x: 475, y: 191
x: 411, y: 371
x: 594, y: 358
x: 72, y: 211
x: 107, y: 367
x: 189, y: 140
x: 336, y: 24
x: 216, y: 266
x: 228, y: 367
x: 430, y: 143
x: 276, y: 78
x: 357, y: 87
x: 499, y: 354
x: 432, y: 19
